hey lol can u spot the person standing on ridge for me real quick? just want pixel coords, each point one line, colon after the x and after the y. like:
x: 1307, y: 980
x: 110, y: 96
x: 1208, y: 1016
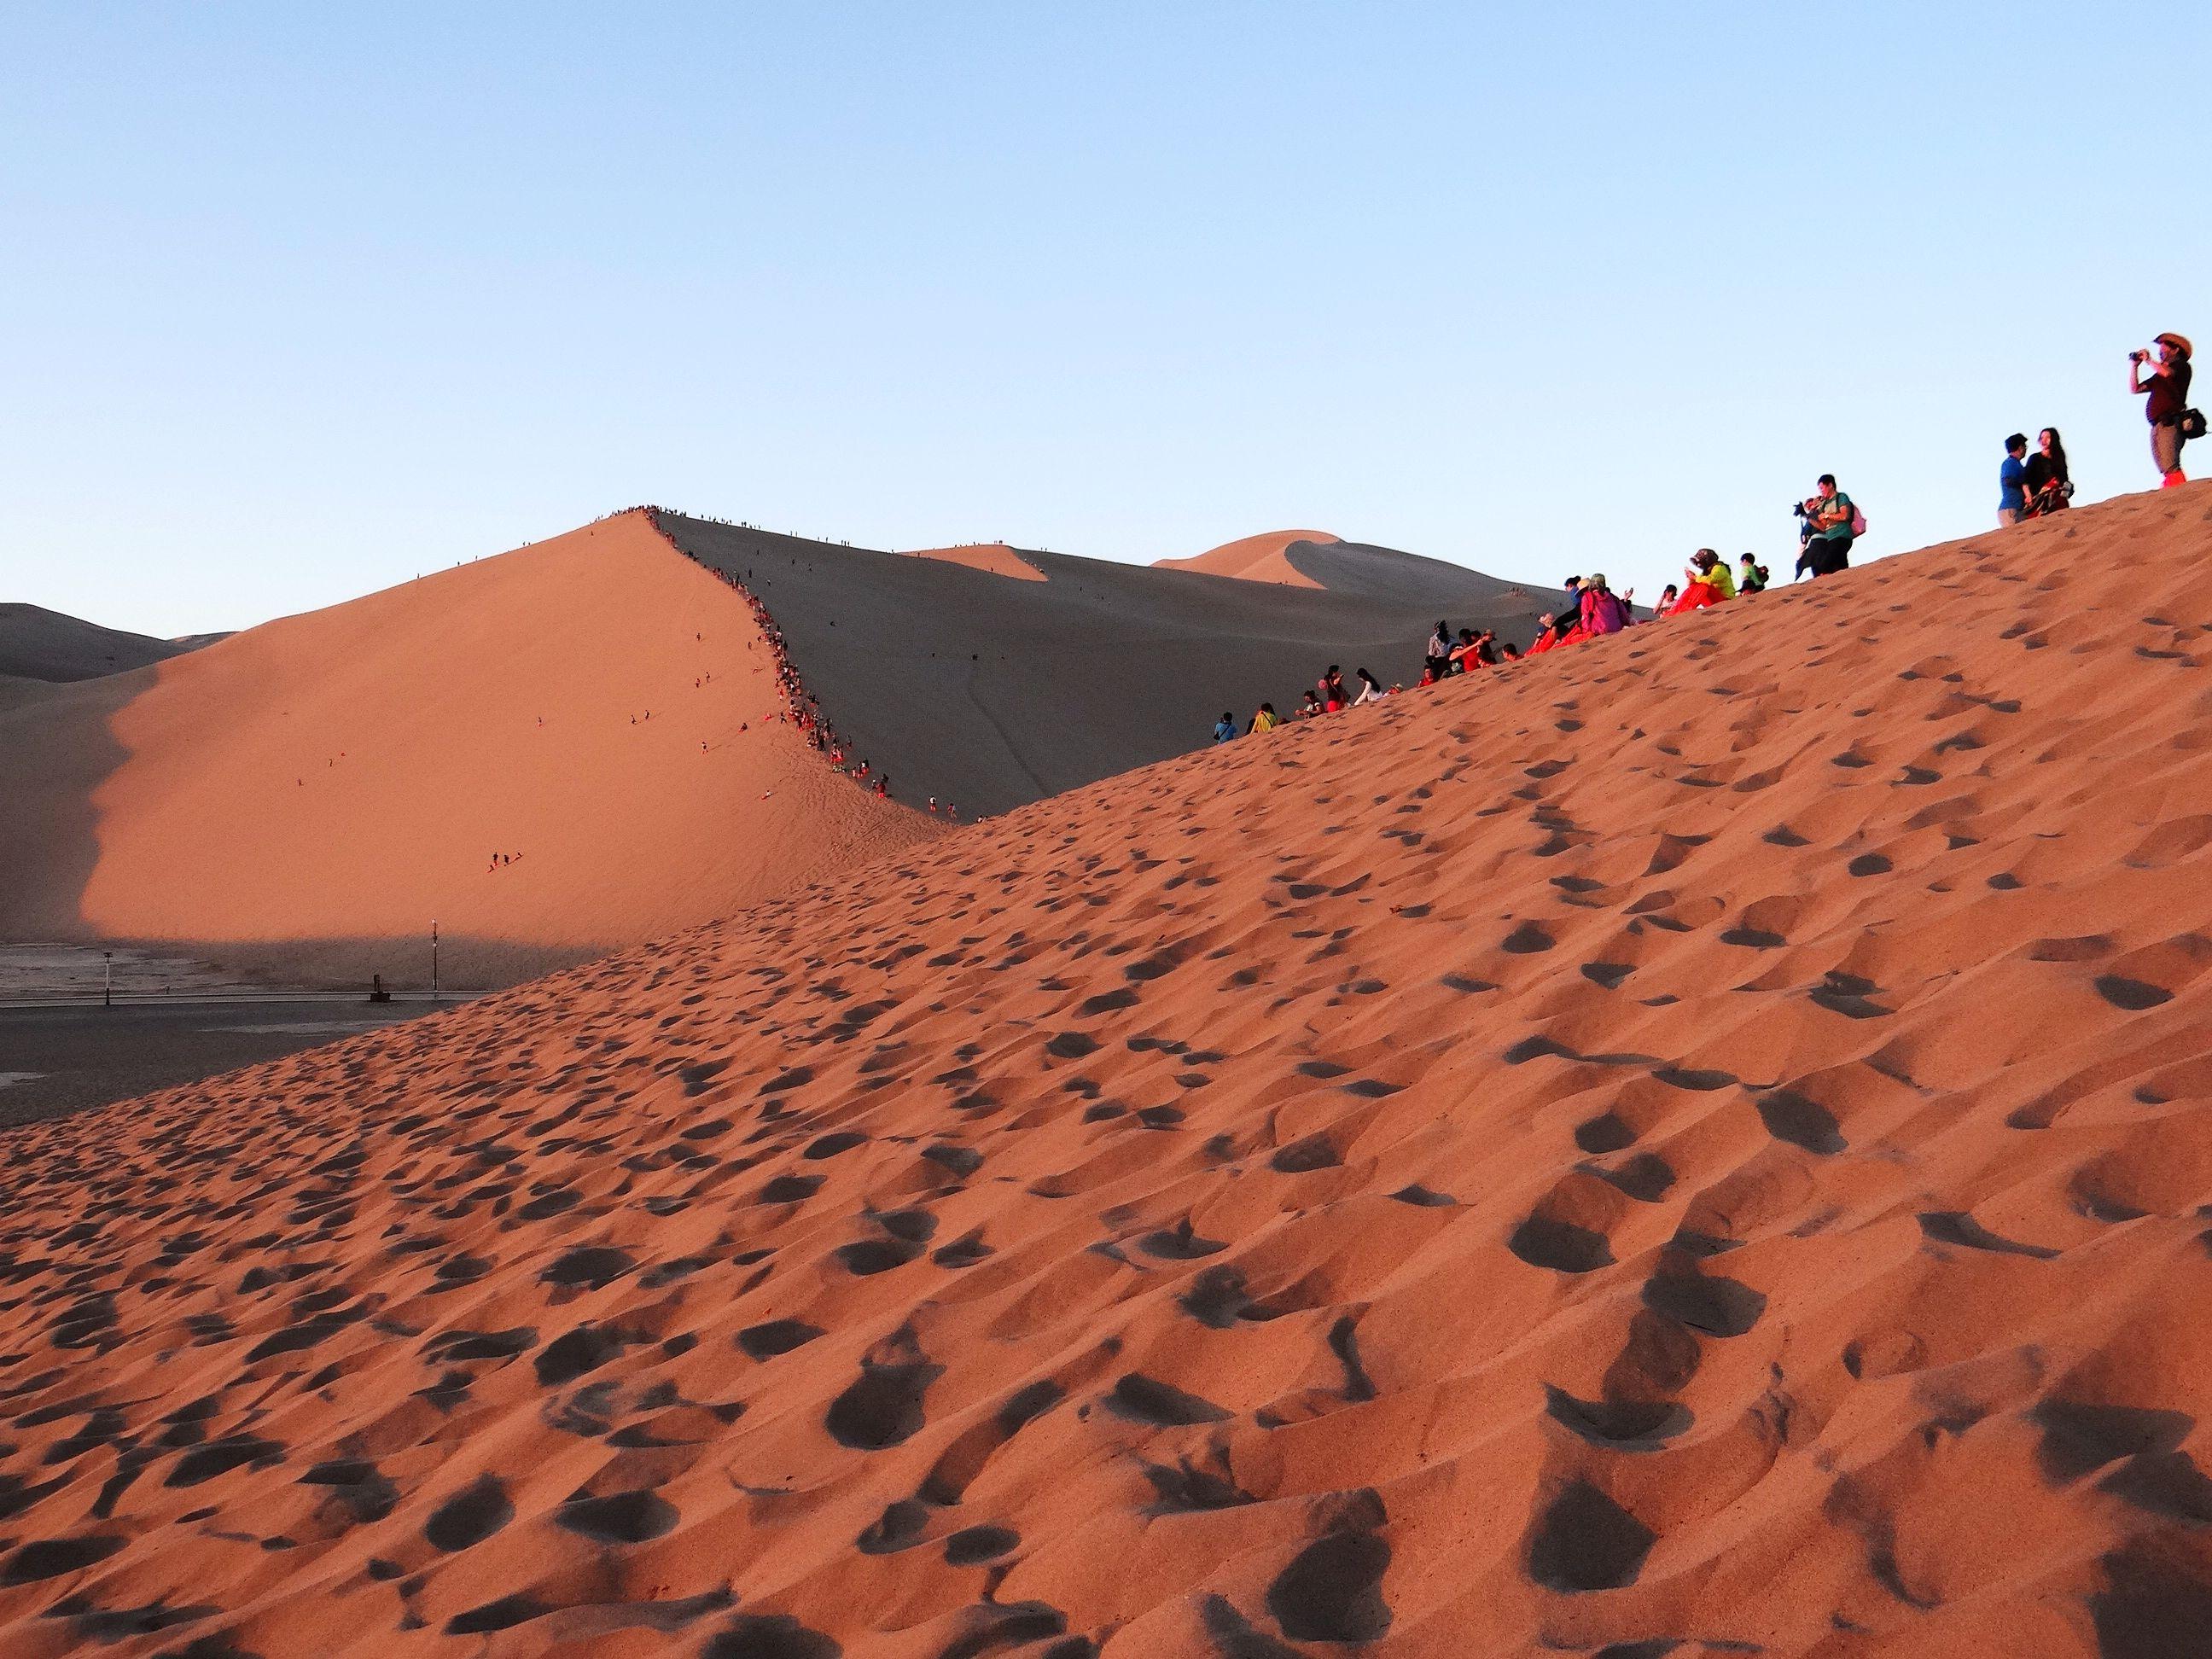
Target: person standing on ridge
x: 2012, y: 482
x: 1830, y: 525
x: 2166, y: 401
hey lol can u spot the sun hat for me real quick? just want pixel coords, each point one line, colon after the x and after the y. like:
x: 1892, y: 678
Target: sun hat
x: 2179, y: 341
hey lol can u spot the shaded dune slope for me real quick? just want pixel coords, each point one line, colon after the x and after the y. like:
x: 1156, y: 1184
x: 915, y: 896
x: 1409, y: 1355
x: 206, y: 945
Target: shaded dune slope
x: 38, y: 644
x: 310, y: 794
x: 987, y: 692
x: 1693, y: 1146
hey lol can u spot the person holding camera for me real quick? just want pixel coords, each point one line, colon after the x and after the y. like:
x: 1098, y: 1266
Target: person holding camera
x: 1826, y: 531
x: 2166, y: 401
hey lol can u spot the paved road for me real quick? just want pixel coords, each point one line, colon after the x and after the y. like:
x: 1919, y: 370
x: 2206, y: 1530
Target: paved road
x: 57, y: 1057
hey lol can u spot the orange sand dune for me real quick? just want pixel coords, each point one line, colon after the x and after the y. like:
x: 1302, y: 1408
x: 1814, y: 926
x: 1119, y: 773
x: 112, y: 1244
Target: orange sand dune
x: 313, y: 790
x: 996, y: 557
x: 1253, y: 558
x: 1693, y: 1145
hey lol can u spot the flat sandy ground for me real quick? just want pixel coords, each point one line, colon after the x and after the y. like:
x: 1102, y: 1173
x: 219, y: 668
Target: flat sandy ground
x: 62, y: 1057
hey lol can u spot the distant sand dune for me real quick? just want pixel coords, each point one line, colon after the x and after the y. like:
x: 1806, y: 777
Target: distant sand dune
x: 996, y: 557
x: 989, y: 694
x: 1697, y: 1144
x: 311, y: 794
x: 38, y: 644
x: 1253, y: 558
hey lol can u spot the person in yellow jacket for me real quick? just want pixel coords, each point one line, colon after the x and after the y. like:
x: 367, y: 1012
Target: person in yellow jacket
x: 1266, y: 721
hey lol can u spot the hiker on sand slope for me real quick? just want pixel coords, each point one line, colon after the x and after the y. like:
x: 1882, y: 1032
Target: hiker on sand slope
x: 2165, y: 401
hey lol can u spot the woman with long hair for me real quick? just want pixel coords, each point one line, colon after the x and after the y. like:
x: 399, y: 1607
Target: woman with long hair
x: 2049, y: 485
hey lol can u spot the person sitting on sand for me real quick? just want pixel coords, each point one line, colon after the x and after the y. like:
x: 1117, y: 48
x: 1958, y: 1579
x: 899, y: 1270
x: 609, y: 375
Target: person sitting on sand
x: 1334, y: 696
x: 1226, y: 729
x: 1709, y: 584
x: 1512, y: 652
x: 2165, y: 401
x: 1569, y: 617
x: 1668, y: 595
x: 1371, y: 689
x: 1266, y: 721
x: 1463, y: 658
x: 1438, y: 659
x: 1546, y: 638
x: 1602, y: 612
x: 1312, y: 705
x: 2049, y: 485
x: 1753, y: 578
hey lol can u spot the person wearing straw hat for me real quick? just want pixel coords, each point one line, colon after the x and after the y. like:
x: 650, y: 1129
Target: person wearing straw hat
x: 2165, y: 400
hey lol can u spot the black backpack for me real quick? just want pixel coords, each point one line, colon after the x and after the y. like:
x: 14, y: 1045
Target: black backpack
x: 2192, y: 424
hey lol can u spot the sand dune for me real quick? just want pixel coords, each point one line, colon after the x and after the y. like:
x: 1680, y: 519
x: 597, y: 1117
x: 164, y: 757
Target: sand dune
x: 1694, y: 1145
x: 1263, y: 558
x: 988, y: 694
x: 38, y: 644
x: 996, y: 557
x: 312, y: 794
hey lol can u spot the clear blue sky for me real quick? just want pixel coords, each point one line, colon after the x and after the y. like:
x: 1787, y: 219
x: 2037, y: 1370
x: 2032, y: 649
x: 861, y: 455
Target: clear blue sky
x: 302, y: 300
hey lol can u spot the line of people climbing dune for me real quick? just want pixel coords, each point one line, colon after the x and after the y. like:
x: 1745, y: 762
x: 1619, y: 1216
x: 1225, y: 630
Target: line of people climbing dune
x: 801, y: 708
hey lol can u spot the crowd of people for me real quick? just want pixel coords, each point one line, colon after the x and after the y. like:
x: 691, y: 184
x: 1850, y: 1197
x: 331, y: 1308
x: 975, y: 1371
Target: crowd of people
x: 2031, y: 485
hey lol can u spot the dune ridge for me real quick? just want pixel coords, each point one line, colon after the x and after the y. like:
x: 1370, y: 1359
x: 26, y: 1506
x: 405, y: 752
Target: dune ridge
x: 47, y: 646
x: 1261, y: 558
x: 995, y: 558
x: 1692, y: 1145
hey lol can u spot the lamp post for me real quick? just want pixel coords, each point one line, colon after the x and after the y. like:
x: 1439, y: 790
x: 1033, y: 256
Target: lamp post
x: 433, y: 960
x: 108, y: 979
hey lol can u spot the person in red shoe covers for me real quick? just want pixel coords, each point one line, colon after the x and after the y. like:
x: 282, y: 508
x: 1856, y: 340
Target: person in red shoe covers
x: 2165, y: 404
x: 1710, y: 583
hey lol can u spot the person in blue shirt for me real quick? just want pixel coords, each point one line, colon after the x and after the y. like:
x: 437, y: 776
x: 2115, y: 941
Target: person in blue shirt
x: 2012, y: 481
x: 1226, y: 729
